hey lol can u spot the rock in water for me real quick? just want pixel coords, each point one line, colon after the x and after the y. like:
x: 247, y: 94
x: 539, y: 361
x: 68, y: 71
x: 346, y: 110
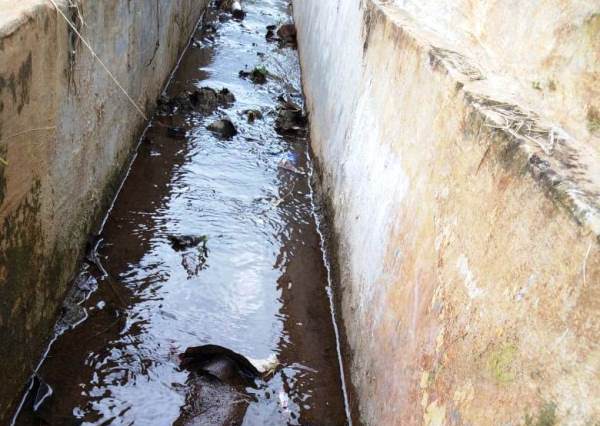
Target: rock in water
x: 183, y: 242
x: 234, y: 7
x: 253, y: 115
x: 224, y: 128
x: 222, y: 363
x: 287, y: 34
x: 258, y: 75
x: 270, y: 36
x: 207, y: 99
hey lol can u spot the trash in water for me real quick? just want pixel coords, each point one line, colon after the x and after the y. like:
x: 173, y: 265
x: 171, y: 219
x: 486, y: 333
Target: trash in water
x: 224, y: 128
x: 289, y: 163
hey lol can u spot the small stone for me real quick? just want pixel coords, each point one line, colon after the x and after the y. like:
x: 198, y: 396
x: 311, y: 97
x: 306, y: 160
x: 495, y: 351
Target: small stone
x: 287, y: 34
x: 223, y: 128
x: 207, y: 99
x: 183, y: 242
x: 270, y: 36
x: 253, y: 115
x: 258, y: 75
x: 290, y: 118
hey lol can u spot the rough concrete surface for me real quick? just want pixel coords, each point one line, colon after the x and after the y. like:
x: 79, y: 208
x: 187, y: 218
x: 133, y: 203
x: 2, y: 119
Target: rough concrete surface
x: 66, y: 131
x: 466, y: 212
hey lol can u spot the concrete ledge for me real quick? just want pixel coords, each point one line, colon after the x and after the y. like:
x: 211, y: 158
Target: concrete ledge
x: 66, y: 131
x: 467, y: 226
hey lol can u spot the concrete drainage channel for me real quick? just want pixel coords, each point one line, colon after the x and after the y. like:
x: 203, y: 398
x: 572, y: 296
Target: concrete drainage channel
x: 456, y: 145
x: 206, y: 296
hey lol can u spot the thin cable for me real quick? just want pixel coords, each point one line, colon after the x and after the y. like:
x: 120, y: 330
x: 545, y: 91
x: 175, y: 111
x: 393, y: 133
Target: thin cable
x: 99, y: 60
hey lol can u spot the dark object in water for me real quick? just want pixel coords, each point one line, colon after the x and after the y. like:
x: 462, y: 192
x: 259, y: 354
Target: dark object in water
x: 234, y: 7
x: 290, y: 118
x: 271, y: 33
x: 183, y: 242
x: 290, y: 122
x: 221, y: 363
x: 223, y: 128
x: 176, y: 132
x: 207, y: 99
x: 258, y: 75
x: 253, y: 115
x: 287, y: 35
x: 168, y: 106
x: 238, y: 14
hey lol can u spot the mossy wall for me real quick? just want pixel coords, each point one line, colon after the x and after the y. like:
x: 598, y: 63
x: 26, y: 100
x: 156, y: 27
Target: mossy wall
x: 66, y: 132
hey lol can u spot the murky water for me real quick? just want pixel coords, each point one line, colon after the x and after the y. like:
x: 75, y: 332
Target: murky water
x: 257, y: 285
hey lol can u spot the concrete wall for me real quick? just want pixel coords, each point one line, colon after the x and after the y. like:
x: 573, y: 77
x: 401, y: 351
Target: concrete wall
x: 66, y: 131
x: 467, y: 219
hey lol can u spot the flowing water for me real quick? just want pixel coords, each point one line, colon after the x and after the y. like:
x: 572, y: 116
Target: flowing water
x: 256, y: 283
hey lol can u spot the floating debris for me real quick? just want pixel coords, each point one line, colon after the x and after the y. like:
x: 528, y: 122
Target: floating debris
x: 289, y: 163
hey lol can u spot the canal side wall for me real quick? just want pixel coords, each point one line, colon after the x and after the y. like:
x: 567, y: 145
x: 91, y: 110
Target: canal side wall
x: 66, y: 131
x: 465, y: 203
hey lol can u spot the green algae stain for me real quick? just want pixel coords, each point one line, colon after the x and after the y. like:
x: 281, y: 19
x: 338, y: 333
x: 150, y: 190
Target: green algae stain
x: 21, y: 245
x: 21, y: 242
x: 500, y: 364
x: 546, y: 416
x: 593, y: 119
x: 592, y: 28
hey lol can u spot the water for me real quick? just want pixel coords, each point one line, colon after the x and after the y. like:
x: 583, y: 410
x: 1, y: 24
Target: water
x: 260, y: 289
